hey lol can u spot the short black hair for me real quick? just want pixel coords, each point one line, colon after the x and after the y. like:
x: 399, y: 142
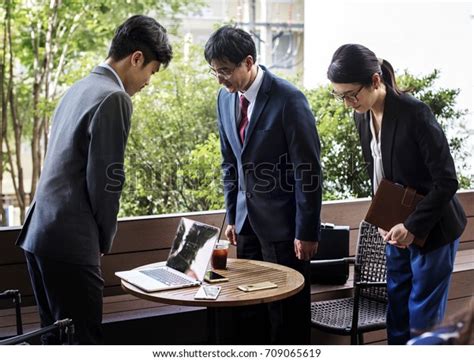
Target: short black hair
x: 145, y: 34
x: 230, y: 43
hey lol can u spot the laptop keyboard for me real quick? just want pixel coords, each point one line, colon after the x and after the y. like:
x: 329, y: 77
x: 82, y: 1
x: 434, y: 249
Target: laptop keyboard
x: 166, y: 277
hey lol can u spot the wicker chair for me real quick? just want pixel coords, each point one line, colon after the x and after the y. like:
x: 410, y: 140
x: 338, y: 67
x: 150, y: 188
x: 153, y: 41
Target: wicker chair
x: 366, y: 310
x: 15, y: 296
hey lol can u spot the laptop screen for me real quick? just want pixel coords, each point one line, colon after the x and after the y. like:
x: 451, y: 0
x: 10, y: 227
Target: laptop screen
x: 192, y: 248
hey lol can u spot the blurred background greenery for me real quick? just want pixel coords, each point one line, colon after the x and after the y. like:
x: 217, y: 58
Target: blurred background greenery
x: 173, y: 158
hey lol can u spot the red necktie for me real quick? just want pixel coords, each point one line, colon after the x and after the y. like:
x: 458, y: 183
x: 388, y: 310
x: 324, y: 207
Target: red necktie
x: 244, y: 121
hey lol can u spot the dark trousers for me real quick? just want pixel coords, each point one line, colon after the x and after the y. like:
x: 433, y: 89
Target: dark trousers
x: 417, y: 286
x: 65, y: 290
x: 282, y: 322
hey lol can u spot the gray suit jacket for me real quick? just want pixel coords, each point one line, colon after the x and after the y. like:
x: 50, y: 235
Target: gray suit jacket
x: 73, y: 217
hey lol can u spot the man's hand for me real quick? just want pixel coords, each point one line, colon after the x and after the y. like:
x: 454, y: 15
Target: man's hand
x: 399, y: 236
x: 230, y: 234
x: 305, y: 250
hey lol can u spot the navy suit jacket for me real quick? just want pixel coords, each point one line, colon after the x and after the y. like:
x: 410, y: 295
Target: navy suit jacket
x: 274, y: 178
x: 73, y: 217
x: 415, y: 153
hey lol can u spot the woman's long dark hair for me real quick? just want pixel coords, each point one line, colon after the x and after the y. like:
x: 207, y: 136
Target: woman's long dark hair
x: 354, y: 63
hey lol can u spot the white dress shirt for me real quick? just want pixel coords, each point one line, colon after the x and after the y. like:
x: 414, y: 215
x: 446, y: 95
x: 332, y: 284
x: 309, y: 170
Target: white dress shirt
x: 376, y: 149
x: 251, y: 93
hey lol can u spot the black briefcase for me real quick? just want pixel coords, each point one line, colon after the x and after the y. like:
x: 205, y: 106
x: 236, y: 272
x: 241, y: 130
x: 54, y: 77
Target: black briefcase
x: 334, y: 244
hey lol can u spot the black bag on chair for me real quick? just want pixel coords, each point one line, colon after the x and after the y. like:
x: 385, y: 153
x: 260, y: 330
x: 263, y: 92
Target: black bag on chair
x: 334, y: 244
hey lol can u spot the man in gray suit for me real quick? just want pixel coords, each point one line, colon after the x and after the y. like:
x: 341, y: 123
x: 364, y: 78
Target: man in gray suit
x: 73, y: 218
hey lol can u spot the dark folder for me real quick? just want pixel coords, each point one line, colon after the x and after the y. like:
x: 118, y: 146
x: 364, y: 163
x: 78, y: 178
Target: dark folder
x: 392, y: 204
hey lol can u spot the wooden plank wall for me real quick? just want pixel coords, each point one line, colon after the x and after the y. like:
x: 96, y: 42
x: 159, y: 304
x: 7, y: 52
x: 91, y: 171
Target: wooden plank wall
x: 147, y: 239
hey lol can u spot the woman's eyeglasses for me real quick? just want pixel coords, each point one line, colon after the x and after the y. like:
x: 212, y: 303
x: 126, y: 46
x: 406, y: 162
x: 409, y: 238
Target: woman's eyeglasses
x: 348, y: 96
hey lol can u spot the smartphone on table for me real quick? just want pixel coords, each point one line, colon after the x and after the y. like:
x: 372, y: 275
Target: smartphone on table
x: 214, y: 277
x: 207, y: 292
x: 257, y: 286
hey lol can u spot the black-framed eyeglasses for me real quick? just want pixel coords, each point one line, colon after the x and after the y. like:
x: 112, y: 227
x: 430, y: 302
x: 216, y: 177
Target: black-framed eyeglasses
x: 349, y: 97
x: 224, y: 73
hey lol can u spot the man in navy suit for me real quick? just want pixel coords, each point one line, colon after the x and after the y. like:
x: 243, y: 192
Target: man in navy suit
x: 272, y: 175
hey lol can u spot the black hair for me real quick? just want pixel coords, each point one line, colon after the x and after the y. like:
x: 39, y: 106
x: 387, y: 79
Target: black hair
x: 354, y: 63
x: 145, y: 34
x: 230, y: 43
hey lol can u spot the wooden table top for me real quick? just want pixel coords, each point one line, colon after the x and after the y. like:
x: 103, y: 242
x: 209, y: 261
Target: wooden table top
x: 239, y: 271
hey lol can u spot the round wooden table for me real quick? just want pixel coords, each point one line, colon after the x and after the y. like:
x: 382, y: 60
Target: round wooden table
x: 239, y: 272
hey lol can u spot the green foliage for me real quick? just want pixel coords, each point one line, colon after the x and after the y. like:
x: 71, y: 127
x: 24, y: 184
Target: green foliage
x: 202, y: 174
x: 173, y: 157
x: 443, y: 104
x: 84, y: 30
x: 173, y: 125
x: 55, y: 43
x: 344, y: 171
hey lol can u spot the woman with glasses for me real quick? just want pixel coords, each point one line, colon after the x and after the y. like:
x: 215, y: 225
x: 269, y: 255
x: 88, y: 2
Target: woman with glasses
x: 402, y: 142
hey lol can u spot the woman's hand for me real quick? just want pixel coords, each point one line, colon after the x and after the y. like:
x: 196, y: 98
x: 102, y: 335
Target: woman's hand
x: 399, y: 236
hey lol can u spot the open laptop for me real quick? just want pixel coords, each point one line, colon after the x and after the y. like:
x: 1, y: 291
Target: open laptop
x: 187, y: 262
